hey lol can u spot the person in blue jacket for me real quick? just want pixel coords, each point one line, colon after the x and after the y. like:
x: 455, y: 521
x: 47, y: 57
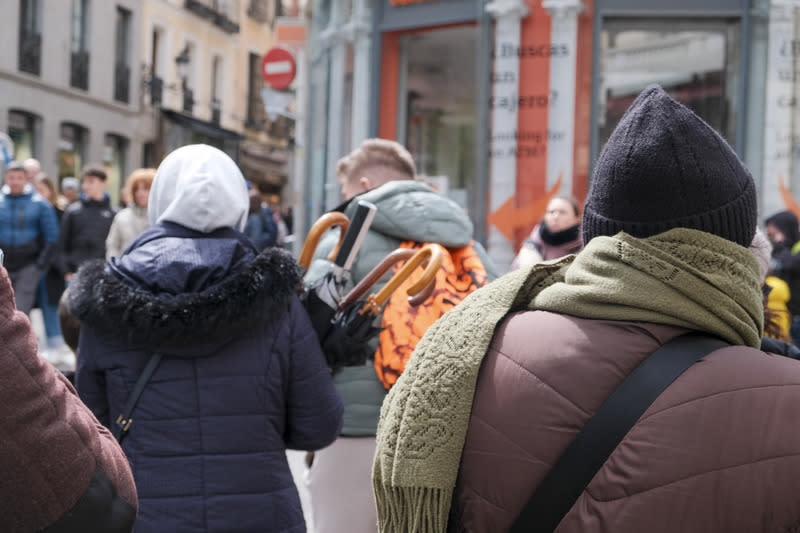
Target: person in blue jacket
x: 242, y: 377
x: 28, y: 234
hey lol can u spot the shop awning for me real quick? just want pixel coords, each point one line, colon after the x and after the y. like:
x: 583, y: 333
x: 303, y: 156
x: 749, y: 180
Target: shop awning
x: 200, y: 126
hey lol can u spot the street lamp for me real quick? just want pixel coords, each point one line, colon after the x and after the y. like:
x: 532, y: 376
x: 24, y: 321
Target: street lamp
x: 182, y: 65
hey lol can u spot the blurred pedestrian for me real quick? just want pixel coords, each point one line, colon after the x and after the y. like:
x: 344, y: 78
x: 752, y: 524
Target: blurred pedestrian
x: 260, y: 227
x: 500, y: 386
x: 242, y: 376
x: 32, y: 169
x: 783, y: 232
x: 86, y: 223
x: 28, y: 234
x: 62, y: 471
x: 70, y: 189
x: 131, y: 221
x: 381, y: 172
x: 51, y: 284
x: 776, y: 337
x: 557, y: 235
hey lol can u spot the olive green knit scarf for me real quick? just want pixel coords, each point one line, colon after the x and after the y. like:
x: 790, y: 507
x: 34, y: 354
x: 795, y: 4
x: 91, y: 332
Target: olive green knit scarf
x: 681, y: 277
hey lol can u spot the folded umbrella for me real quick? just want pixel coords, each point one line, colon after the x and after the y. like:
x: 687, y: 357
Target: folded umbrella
x: 321, y: 299
x: 347, y: 341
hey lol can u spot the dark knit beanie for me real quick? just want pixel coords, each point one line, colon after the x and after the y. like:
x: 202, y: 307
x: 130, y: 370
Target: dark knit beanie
x: 665, y: 168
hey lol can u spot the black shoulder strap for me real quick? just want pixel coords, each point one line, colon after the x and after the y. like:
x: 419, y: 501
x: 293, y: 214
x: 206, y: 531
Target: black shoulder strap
x: 573, y: 471
x: 124, y: 420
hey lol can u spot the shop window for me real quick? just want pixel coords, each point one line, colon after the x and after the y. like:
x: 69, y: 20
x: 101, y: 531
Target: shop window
x: 23, y: 129
x: 696, y: 61
x: 436, y: 107
x: 79, y: 50
x: 71, y: 150
x: 30, y: 37
x: 122, y: 68
x: 114, y: 150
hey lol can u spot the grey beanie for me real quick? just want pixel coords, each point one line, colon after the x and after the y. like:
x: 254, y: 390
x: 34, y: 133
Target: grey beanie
x: 665, y: 168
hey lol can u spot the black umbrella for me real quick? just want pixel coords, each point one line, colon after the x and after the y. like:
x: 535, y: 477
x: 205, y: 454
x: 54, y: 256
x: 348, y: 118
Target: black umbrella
x: 321, y: 299
x: 347, y: 340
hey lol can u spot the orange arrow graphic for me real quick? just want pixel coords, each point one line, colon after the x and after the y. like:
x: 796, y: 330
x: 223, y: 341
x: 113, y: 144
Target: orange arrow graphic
x: 788, y: 200
x: 507, y: 218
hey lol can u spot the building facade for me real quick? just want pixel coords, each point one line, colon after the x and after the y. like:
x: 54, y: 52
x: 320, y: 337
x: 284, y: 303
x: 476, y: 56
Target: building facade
x: 124, y: 82
x: 202, y: 74
x: 504, y: 103
x: 69, y: 84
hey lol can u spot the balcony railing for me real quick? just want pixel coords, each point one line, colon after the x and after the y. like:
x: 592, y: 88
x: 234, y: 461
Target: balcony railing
x: 216, y: 111
x: 155, y: 86
x: 122, y: 82
x: 188, y: 100
x: 30, y: 52
x: 79, y: 70
x: 223, y: 13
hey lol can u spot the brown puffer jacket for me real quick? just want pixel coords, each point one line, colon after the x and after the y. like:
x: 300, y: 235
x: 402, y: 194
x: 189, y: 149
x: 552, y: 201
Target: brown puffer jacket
x: 718, y: 451
x: 51, y: 446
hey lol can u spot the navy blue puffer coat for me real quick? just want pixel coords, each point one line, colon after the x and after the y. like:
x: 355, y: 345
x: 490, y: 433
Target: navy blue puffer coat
x: 243, y: 377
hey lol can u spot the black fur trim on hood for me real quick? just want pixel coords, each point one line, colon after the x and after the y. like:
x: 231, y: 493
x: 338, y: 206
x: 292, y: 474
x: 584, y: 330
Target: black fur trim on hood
x: 255, y: 295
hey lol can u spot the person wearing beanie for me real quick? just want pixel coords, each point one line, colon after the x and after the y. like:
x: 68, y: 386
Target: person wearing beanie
x: 500, y: 386
x: 784, y: 234
x: 242, y: 377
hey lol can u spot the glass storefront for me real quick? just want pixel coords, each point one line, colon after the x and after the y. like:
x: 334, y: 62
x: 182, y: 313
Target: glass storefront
x: 114, y: 161
x: 696, y: 61
x: 436, y: 106
x: 71, y: 151
x: 22, y: 129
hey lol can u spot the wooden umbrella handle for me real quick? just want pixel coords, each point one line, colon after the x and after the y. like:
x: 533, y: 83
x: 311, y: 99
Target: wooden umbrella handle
x: 434, y: 255
x: 377, y: 272
x: 323, y: 224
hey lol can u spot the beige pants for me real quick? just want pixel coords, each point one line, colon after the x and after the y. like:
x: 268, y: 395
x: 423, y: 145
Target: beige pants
x: 340, y: 484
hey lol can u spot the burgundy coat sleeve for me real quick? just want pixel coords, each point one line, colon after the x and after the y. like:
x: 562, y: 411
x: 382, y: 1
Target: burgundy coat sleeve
x: 51, y: 444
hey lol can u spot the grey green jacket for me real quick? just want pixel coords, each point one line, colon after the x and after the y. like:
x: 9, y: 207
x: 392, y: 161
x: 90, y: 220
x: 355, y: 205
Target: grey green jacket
x: 407, y: 211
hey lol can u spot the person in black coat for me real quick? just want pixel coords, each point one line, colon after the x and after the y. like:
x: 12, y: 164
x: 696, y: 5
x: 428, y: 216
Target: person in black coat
x: 242, y: 378
x: 783, y: 232
x: 85, y: 224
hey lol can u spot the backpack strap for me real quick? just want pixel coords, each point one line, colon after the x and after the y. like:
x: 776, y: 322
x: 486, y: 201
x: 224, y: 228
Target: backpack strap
x: 124, y: 420
x: 573, y: 471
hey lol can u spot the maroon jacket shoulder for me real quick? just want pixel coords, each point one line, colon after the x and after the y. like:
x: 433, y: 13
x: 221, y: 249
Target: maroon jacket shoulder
x: 52, y: 444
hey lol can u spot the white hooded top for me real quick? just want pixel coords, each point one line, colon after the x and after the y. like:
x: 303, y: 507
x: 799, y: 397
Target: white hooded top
x: 201, y: 188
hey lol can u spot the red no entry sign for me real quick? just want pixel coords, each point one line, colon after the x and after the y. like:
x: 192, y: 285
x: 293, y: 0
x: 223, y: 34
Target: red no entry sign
x: 278, y: 68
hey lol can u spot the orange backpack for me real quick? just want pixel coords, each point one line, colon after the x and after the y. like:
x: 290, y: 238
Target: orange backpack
x: 403, y: 325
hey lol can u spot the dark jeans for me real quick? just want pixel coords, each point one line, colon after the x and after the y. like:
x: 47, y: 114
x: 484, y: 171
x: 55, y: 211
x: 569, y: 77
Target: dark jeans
x: 25, y: 281
x: 99, y: 510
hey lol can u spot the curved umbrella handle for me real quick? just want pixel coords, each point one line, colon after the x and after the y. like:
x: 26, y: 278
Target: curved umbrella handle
x: 377, y: 272
x: 433, y: 253
x: 323, y: 224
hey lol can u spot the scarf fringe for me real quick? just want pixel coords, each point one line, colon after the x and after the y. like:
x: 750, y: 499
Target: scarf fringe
x: 412, y: 509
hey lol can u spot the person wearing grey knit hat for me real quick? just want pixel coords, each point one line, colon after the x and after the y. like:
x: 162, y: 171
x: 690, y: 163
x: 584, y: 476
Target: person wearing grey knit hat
x: 500, y: 386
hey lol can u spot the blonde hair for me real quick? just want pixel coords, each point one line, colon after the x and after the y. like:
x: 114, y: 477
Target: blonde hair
x: 140, y: 176
x: 390, y: 155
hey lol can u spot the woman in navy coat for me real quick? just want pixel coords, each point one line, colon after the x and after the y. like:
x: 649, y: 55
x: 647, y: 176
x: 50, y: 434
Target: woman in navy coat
x: 242, y: 376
